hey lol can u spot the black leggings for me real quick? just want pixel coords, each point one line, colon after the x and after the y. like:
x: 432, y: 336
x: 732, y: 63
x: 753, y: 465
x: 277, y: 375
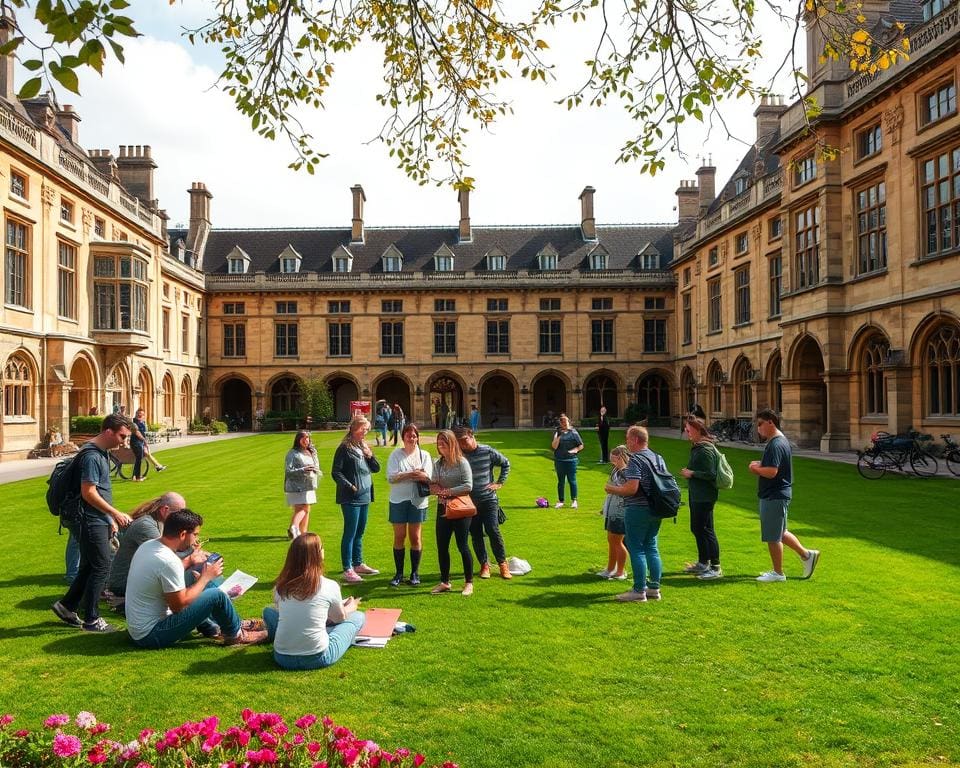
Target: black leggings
x: 701, y: 526
x: 461, y: 530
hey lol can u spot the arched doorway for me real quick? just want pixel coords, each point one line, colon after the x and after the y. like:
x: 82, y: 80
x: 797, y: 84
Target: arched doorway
x: 653, y: 399
x: 145, y: 385
x: 186, y: 399
x: 118, y: 388
x: 775, y: 382
x: 394, y: 389
x: 446, y: 400
x: 168, y: 404
x: 497, y: 403
x: 83, y: 391
x: 810, y: 419
x: 600, y: 389
x: 549, y: 399
x: 236, y: 401
x: 688, y: 391
x: 342, y: 391
x: 284, y: 396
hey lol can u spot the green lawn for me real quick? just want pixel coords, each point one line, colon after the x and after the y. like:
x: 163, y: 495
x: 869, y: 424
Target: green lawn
x: 858, y: 666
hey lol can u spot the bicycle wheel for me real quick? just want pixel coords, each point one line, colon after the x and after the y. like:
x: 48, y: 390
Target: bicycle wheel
x: 952, y: 460
x: 124, y: 470
x: 923, y: 464
x: 871, y: 467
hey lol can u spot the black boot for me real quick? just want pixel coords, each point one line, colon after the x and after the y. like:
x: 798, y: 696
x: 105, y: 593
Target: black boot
x: 415, y: 566
x: 398, y: 555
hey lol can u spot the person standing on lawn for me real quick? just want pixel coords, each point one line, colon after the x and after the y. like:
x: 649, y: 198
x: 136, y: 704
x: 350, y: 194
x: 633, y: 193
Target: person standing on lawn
x: 353, y: 467
x: 701, y: 474
x: 774, y: 473
x: 566, y: 444
x: 301, y: 473
x: 482, y: 459
x: 98, y: 522
x: 161, y: 609
x: 474, y: 417
x: 603, y: 435
x: 139, y: 446
x: 639, y: 522
x: 613, y: 517
x: 409, y: 469
x: 452, y: 476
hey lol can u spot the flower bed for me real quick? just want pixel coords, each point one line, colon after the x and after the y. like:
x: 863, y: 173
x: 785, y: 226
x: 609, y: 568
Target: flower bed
x: 262, y: 739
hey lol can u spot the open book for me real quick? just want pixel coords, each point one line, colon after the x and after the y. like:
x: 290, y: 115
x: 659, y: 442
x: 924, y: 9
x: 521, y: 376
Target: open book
x: 237, y: 583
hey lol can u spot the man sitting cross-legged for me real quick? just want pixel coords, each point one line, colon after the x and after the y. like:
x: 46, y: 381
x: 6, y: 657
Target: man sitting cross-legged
x: 160, y: 608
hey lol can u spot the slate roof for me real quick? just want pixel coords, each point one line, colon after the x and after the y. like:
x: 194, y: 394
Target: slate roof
x: 520, y: 245
x: 770, y: 162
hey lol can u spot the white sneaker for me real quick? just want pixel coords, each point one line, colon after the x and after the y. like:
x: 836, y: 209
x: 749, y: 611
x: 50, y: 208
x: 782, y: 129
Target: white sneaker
x: 622, y: 577
x: 771, y: 576
x: 558, y: 505
x: 813, y: 555
x: 710, y: 574
x: 292, y: 532
x: 604, y: 574
x: 351, y: 577
x: 574, y: 505
x: 695, y: 568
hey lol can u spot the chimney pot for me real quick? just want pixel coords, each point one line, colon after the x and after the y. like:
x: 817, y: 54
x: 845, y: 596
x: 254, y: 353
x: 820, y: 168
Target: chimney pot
x: 688, y: 202
x: 588, y: 224
x: 706, y: 182
x: 359, y: 198
x: 463, y: 197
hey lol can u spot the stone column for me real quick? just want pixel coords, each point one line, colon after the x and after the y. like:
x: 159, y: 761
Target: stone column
x: 837, y: 436
x: 899, y: 381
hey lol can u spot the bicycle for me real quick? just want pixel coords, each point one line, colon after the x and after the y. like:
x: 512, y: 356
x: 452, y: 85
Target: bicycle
x: 893, y: 453
x: 122, y: 461
x: 951, y: 455
x: 724, y: 430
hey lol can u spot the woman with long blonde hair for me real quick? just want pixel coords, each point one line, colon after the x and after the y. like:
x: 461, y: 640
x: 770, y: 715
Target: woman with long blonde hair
x: 353, y: 468
x: 310, y: 624
x: 451, y: 477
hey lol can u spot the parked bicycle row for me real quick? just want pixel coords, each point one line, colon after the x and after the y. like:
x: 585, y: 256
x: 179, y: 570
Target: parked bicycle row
x: 907, y: 452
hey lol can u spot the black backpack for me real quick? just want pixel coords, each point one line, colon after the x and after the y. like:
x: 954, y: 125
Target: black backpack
x: 664, y: 493
x: 63, y: 489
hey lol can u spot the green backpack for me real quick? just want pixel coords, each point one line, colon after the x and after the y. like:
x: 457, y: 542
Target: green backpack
x: 724, y: 479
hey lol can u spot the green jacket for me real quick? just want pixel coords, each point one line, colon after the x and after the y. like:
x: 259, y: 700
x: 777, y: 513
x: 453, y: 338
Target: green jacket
x: 703, y: 464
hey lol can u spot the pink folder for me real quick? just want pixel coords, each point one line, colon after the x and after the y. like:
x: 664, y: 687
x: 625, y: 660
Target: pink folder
x: 379, y: 622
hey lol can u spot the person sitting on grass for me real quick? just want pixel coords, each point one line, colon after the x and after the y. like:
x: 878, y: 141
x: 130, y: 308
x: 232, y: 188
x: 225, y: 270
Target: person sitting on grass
x: 161, y: 610
x: 310, y: 624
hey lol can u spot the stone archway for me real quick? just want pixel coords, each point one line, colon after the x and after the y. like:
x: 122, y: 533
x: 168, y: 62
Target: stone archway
x: 688, y: 391
x: 342, y: 392
x: 653, y: 399
x: 394, y: 389
x: 236, y: 401
x: 83, y: 392
x: 145, y: 385
x: 809, y: 396
x: 600, y: 389
x: 549, y: 399
x: 497, y: 402
x: 446, y: 400
x: 118, y: 388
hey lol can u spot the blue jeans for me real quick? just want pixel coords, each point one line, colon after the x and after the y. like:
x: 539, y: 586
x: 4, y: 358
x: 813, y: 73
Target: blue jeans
x: 209, y: 604
x: 71, y: 555
x: 340, y: 635
x: 486, y: 520
x: 93, y: 541
x: 641, y: 542
x: 566, y: 470
x: 354, y: 524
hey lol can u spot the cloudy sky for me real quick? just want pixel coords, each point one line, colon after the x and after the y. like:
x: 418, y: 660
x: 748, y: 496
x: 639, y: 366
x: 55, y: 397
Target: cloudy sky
x: 530, y: 169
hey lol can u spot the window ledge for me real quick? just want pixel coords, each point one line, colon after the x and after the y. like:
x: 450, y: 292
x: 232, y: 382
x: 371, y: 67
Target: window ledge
x: 18, y: 308
x: 19, y: 420
x: 868, y: 275
x: 744, y: 324
x: 65, y: 319
x: 715, y: 333
x: 341, y: 357
x: 936, y: 257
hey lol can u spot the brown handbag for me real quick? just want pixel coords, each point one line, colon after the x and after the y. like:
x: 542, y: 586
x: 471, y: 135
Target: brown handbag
x: 459, y: 507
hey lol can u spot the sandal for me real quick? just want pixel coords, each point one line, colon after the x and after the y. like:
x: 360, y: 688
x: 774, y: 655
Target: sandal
x: 440, y: 588
x: 253, y: 625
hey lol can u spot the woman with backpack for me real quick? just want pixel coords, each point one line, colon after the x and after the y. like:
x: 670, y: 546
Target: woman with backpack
x: 701, y: 473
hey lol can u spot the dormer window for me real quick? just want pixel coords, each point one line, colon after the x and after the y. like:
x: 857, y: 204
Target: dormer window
x: 648, y: 257
x: 342, y: 260
x: 547, y: 258
x: 181, y: 251
x: 238, y: 261
x: 290, y: 260
x: 741, y: 184
x: 235, y: 266
x: 599, y: 258
x: 496, y: 260
x: 443, y: 259
x: 392, y: 259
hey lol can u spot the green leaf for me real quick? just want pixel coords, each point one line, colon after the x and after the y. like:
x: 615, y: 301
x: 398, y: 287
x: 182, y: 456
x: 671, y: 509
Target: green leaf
x: 67, y: 78
x: 32, y: 64
x: 9, y: 47
x: 30, y: 88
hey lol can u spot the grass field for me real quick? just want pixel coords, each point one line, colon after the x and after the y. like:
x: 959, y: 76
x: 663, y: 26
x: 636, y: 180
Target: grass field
x: 859, y: 666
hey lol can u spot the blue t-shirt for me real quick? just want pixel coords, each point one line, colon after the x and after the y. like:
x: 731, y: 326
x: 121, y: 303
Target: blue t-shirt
x: 142, y: 429
x: 777, y: 454
x: 95, y: 468
x: 568, y: 440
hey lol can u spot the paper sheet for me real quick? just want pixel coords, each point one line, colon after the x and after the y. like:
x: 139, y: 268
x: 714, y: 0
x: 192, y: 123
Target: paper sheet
x: 238, y: 583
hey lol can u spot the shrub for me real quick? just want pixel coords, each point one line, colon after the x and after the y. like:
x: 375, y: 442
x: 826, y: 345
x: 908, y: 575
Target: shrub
x: 315, y: 399
x: 154, y: 427
x: 86, y: 425
x: 261, y: 739
x: 217, y: 427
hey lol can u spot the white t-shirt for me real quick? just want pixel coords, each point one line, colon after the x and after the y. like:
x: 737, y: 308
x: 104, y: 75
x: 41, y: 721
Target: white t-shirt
x: 406, y: 490
x: 155, y: 571
x: 302, y: 628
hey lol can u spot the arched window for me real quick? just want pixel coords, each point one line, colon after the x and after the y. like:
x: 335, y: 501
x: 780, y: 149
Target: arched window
x: 17, y: 389
x: 168, y: 396
x: 688, y: 388
x: 776, y: 384
x: 285, y: 395
x: 600, y: 390
x: 942, y: 358
x: 874, y: 378
x: 653, y: 396
x: 186, y: 398
x: 742, y: 379
x: 716, y: 380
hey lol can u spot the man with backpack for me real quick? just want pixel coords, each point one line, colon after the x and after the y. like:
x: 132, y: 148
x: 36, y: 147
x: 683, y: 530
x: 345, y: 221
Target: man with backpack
x: 774, y: 473
x: 651, y: 494
x: 92, y: 518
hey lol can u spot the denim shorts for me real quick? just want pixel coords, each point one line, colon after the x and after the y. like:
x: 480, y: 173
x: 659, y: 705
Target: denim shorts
x: 773, y: 519
x: 407, y: 512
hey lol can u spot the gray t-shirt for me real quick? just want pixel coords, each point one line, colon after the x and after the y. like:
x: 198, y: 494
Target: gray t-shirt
x: 140, y: 531
x: 155, y: 571
x: 777, y: 454
x: 95, y: 468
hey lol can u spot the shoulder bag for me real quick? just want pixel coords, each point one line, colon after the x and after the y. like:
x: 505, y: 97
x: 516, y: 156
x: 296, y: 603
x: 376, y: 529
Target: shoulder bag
x: 423, y: 488
x: 459, y: 507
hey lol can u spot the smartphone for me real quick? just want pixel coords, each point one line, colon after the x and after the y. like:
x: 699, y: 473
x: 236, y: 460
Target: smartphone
x: 214, y: 556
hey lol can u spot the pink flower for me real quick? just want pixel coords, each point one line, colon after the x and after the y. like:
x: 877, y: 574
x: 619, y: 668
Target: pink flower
x: 143, y: 764
x: 268, y: 739
x: 313, y: 747
x: 211, y: 742
x: 130, y: 751
x: 450, y: 764
x: 322, y: 764
x: 86, y: 720
x: 96, y: 756
x: 145, y: 734
x: 298, y: 739
x: 327, y: 722
x: 55, y: 721
x: 418, y: 760
x: 6, y: 720
x: 257, y: 757
x: 99, y: 728
x: 306, y: 721
x: 65, y: 745
x: 22, y: 733
x: 350, y: 754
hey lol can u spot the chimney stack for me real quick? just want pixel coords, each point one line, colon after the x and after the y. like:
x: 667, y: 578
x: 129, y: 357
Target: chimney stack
x: 463, y: 197
x: 8, y: 23
x: 199, y: 221
x: 135, y: 168
x: 70, y: 122
x: 688, y: 201
x: 356, y: 231
x: 588, y: 224
x: 104, y: 161
x: 706, y: 182
x: 768, y: 117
